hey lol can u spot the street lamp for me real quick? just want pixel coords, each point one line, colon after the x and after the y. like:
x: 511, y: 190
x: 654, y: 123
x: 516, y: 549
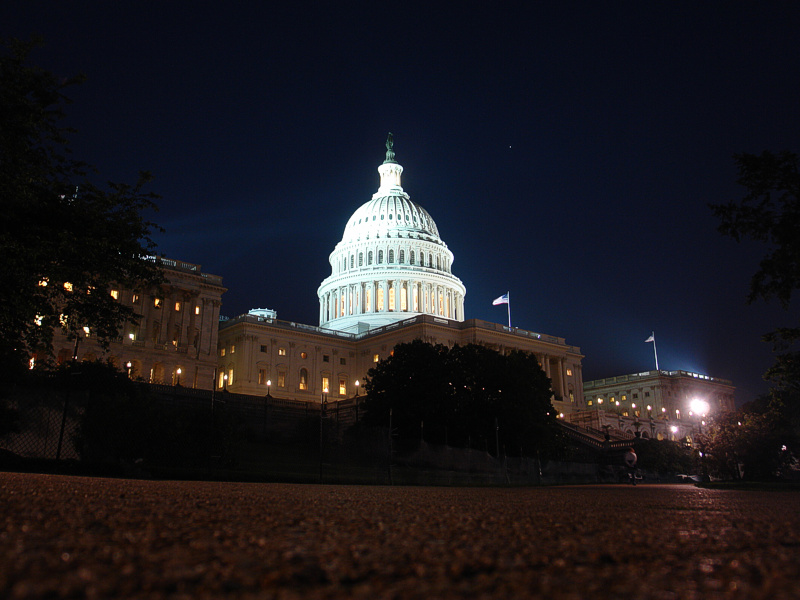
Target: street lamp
x: 357, y: 386
x: 224, y: 382
x: 178, y: 380
x: 699, y: 407
x: 128, y: 366
x: 269, y: 384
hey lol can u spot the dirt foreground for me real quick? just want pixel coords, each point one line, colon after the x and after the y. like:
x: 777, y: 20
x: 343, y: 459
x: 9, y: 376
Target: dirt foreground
x: 77, y: 537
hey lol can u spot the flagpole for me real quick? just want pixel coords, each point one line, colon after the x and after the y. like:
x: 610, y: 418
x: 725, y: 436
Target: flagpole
x: 508, y: 304
x: 654, y: 349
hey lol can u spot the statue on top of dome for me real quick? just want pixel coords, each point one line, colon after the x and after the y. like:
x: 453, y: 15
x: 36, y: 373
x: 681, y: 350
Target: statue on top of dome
x: 389, y: 149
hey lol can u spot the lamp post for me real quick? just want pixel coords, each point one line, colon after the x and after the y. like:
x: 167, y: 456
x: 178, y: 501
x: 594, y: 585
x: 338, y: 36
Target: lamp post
x: 358, y: 383
x: 178, y: 380
x: 129, y: 366
x: 323, y: 403
x: 224, y: 382
x: 266, y: 406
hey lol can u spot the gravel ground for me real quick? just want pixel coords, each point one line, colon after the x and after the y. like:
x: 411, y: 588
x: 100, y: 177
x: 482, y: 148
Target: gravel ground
x: 80, y: 537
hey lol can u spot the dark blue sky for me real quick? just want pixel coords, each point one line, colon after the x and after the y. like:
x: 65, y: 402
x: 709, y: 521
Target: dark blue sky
x: 567, y: 151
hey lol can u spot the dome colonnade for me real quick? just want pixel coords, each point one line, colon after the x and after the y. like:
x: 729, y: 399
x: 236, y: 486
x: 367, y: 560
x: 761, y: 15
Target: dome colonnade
x: 391, y: 263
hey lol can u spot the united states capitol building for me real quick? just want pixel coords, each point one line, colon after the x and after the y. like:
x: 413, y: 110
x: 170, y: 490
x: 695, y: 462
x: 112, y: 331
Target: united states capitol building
x: 391, y: 281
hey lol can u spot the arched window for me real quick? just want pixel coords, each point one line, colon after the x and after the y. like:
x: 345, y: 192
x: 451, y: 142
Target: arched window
x: 303, y: 378
x: 438, y: 264
x: 411, y: 258
x: 352, y: 261
x: 360, y: 259
x: 369, y: 258
x: 391, y: 256
x: 421, y: 259
x: 380, y: 257
x: 402, y: 256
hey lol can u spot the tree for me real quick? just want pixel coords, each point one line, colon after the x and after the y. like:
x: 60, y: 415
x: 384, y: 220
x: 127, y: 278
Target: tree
x: 64, y: 239
x: 770, y: 213
x: 465, y: 395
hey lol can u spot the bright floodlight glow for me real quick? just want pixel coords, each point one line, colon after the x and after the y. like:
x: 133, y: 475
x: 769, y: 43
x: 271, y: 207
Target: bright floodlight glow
x: 674, y: 429
x: 699, y: 406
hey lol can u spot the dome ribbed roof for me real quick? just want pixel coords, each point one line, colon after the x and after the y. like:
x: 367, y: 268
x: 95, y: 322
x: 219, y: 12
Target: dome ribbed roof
x: 390, y: 216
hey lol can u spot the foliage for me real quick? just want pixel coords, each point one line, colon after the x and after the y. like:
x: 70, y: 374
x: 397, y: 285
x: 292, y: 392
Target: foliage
x: 59, y: 229
x: 463, y: 396
x: 770, y: 213
x: 756, y: 439
x: 663, y: 456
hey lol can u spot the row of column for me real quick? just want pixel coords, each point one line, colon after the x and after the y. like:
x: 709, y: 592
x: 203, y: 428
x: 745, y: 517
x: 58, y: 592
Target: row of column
x: 376, y: 297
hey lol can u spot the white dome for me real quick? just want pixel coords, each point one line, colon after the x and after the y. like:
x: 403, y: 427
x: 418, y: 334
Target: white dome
x: 391, y: 263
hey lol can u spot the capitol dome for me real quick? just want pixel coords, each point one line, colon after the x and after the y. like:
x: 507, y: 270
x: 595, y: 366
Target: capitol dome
x: 391, y: 263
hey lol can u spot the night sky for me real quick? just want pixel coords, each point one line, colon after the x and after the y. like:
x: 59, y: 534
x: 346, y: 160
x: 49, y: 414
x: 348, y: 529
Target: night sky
x: 567, y: 151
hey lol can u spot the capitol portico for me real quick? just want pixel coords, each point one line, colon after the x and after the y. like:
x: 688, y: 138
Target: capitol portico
x: 391, y: 263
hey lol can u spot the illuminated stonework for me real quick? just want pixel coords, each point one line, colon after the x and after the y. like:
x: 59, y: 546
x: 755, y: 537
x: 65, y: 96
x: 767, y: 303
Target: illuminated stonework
x: 391, y: 263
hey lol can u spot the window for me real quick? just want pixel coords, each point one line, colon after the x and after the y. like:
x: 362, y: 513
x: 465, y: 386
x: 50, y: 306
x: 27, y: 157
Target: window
x: 263, y: 348
x: 281, y: 351
x: 68, y: 286
x: 624, y: 397
x: 403, y: 298
x: 303, y: 355
x: 647, y: 394
x: 402, y: 256
x: 360, y: 259
x: 589, y: 403
x: 262, y: 376
x: 411, y: 258
x: 303, y: 379
x: 326, y: 358
x: 569, y: 372
x: 342, y: 387
x: 177, y: 307
x: 157, y: 302
x: 376, y: 358
x: 342, y: 361
x: 197, y: 310
x: 369, y: 257
x: 352, y: 261
x: 222, y: 351
x: 391, y: 256
x: 233, y: 348
x: 135, y: 298
x: 635, y: 396
x: 281, y: 378
x: 380, y: 299
x: 391, y: 298
x: 380, y: 256
x: 230, y: 376
x: 326, y: 384
x: 115, y: 294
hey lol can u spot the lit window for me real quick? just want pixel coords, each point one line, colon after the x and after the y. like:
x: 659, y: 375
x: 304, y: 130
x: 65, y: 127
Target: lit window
x: 157, y: 302
x: 230, y: 377
x: 303, y: 355
x: 178, y: 306
x: 262, y: 376
x: 197, y: 310
x: 569, y: 372
x: 303, y: 379
x: 68, y: 286
x: 391, y: 298
x: 624, y: 397
x: 342, y: 387
x: 380, y: 299
x: 43, y: 282
x: 613, y: 399
x: 135, y: 298
x: 222, y: 351
x: 376, y: 358
x: 282, y: 379
x: 589, y: 403
x: 233, y: 348
x: 281, y: 351
x: 115, y: 294
x: 326, y: 384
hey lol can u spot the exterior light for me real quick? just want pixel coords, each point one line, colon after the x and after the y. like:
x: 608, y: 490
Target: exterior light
x: 674, y: 429
x: 131, y: 337
x: 599, y: 400
x: 699, y: 406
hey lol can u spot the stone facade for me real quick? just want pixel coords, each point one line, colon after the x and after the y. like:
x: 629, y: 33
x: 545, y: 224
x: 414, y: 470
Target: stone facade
x: 260, y: 355
x: 657, y: 404
x: 175, y: 342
